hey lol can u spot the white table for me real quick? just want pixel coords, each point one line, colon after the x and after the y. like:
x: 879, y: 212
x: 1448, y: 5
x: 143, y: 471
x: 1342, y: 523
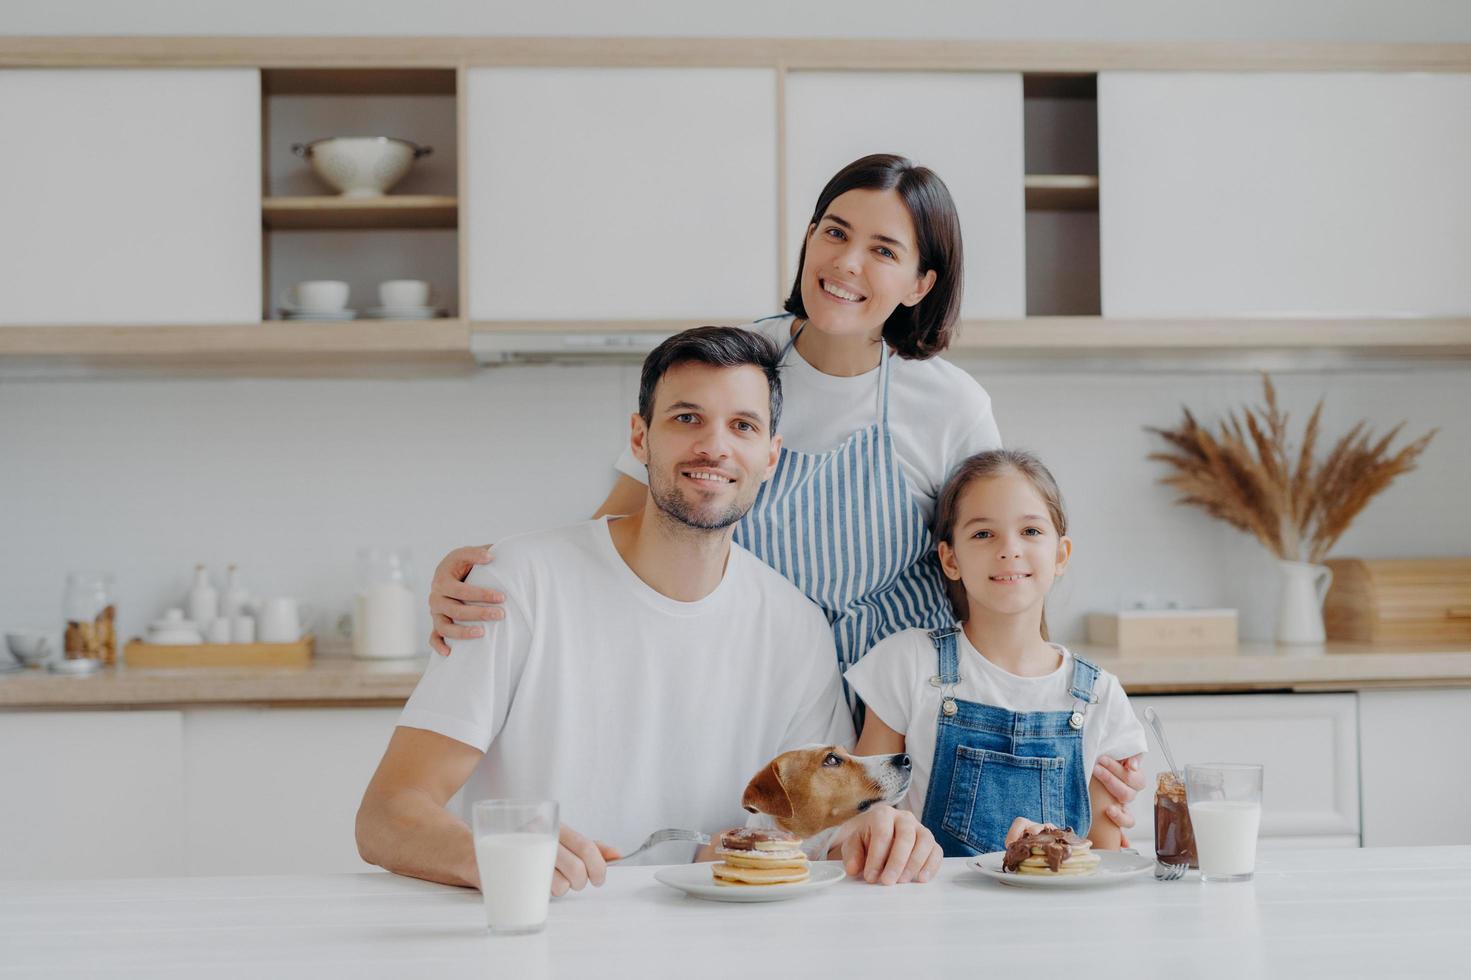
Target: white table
x: 1377, y: 912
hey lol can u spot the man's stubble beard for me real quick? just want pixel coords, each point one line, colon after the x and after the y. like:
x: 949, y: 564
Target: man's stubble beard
x: 671, y: 503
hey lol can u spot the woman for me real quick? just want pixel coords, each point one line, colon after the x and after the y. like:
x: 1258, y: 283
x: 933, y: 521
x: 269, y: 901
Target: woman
x: 873, y: 422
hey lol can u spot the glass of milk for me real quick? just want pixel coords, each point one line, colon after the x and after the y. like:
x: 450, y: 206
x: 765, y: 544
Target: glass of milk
x: 516, y: 850
x: 1225, y: 804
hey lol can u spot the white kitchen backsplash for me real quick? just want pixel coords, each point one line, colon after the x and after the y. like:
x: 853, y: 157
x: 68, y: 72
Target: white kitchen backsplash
x: 289, y: 478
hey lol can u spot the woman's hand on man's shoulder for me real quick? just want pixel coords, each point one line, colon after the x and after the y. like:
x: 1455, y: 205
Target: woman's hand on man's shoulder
x: 453, y: 602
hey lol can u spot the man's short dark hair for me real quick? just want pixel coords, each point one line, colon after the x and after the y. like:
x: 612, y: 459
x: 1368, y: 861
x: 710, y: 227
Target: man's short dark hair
x: 718, y: 347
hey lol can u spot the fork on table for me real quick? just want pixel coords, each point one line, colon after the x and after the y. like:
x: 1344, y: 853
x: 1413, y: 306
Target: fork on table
x: 665, y: 835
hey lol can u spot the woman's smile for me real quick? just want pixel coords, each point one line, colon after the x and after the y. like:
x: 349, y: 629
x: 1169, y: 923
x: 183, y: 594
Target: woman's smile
x: 841, y: 293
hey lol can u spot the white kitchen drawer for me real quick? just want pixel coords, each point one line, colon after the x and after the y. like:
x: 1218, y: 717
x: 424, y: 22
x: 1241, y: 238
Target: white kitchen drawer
x: 90, y: 794
x: 1308, y: 744
x: 965, y: 126
x: 621, y: 193
x: 1291, y: 194
x: 130, y: 196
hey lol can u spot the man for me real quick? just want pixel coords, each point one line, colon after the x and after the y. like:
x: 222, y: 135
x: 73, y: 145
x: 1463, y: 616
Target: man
x: 646, y: 667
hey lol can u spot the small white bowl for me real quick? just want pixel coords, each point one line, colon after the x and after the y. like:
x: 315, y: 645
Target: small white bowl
x: 31, y: 647
x: 361, y: 166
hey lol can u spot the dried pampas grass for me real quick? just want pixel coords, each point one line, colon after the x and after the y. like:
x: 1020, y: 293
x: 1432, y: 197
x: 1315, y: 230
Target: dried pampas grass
x: 1246, y: 474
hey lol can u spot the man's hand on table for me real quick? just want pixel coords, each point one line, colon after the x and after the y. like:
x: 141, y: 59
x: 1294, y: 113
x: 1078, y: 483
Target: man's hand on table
x: 580, y: 861
x: 887, y: 847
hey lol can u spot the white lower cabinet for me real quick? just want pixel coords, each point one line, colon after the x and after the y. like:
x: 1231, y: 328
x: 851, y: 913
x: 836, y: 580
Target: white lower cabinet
x: 203, y: 791
x: 1307, y: 744
x: 91, y: 794
x: 1417, y: 783
x: 275, y: 790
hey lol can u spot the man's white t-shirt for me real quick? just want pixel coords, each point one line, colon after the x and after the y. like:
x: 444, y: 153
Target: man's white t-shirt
x: 893, y: 680
x: 633, y: 710
x: 938, y: 414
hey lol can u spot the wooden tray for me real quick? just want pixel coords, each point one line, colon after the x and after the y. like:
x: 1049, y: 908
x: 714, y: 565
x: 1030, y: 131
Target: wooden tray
x: 299, y: 654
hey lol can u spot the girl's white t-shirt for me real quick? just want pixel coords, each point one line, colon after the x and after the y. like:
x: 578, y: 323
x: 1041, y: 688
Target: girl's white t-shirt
x: 893, y: 679
x: 938, y: 414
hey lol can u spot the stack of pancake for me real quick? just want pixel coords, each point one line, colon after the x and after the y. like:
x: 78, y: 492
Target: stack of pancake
x: 1050, y: 851
x: 750, y: 857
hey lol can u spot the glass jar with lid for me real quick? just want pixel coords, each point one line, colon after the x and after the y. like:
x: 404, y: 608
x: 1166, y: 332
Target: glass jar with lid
x: 90, y: 613
x: 385, y: 610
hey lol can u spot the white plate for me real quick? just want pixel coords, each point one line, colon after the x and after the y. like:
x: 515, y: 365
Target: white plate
x: 1114, y: 868
x: 695, y: 880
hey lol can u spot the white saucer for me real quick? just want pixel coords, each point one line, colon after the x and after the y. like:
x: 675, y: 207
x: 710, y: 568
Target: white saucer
x: 695, y: 880
x: 1114, y: 868
x: 305, y: 315
x: 403, y: 313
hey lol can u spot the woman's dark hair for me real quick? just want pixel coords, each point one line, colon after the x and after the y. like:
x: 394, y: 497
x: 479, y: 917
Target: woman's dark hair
x: 923, y: 330
x: 983, y: 466
x: 718, y: 347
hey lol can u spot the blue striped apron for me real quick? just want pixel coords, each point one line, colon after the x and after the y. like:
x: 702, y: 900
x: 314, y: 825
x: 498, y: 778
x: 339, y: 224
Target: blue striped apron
x: 843, y: 527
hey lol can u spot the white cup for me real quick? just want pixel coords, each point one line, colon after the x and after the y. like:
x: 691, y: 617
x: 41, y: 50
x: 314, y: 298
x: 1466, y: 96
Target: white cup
x: 316, y: 296
x: 279, y: 621
x: 516, y: 851
x: 398, y: 294
x: 242, y: 629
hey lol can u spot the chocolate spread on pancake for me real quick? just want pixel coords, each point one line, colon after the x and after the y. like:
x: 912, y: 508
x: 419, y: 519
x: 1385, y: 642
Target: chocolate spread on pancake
x: 747, y: 838
x: 1057, y: 847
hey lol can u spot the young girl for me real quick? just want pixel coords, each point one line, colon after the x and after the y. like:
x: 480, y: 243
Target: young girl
x: 999, y: 723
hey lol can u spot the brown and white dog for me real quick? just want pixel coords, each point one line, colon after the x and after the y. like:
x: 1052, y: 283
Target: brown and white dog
x: 808, y: 790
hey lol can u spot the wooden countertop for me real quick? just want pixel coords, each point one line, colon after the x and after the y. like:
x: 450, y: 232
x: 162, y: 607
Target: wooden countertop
x: 334, y: 680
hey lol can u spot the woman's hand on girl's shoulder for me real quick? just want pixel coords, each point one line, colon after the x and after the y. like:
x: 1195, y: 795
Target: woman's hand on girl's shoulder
x: 450, y: 598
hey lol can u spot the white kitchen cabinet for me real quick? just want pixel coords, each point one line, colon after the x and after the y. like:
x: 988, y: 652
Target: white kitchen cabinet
x: 90, y: 794
x: 1308, y: 744
x: 1417, y: 783
x: 276, y: 790
x: 965, y: 126
x: 130, y: 196
x: 1284, y: 194
x: 620, y: 193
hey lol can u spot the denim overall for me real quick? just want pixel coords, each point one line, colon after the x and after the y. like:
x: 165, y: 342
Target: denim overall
x: 992, y: 765
x: 843, y: 527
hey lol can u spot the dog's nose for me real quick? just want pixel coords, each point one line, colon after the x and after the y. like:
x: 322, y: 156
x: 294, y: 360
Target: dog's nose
x: 902, y: 761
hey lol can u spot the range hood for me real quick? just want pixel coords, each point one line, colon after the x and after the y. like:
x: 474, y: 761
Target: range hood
x: 513, y: 346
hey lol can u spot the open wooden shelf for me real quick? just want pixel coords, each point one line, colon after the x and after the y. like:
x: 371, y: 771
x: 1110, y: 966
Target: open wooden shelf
x: 331, y: 211
x: 1062, y: 192
x: 351, y: 348
x: 371, y: 347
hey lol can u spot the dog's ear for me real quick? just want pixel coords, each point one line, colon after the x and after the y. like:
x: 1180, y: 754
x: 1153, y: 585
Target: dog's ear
x: 766, y: 794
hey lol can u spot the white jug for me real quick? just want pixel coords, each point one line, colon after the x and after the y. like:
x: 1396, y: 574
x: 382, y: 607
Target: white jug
x: 1300, y: 609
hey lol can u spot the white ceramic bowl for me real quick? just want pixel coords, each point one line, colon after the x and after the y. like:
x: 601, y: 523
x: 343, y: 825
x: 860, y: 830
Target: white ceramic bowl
x: 31, y: 647
x: 361, y: 166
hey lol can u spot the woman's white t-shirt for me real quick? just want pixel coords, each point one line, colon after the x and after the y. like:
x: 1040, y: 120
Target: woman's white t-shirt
x: 893, y: 680
x: 938, y: 414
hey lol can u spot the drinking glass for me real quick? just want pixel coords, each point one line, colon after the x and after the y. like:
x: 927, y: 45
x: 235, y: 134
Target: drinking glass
x: 516, y: 851
x: 1225, y: 812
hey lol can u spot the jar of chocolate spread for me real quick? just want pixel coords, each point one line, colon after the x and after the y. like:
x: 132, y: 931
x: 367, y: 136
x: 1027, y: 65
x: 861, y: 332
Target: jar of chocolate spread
x: 1174, y: 838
